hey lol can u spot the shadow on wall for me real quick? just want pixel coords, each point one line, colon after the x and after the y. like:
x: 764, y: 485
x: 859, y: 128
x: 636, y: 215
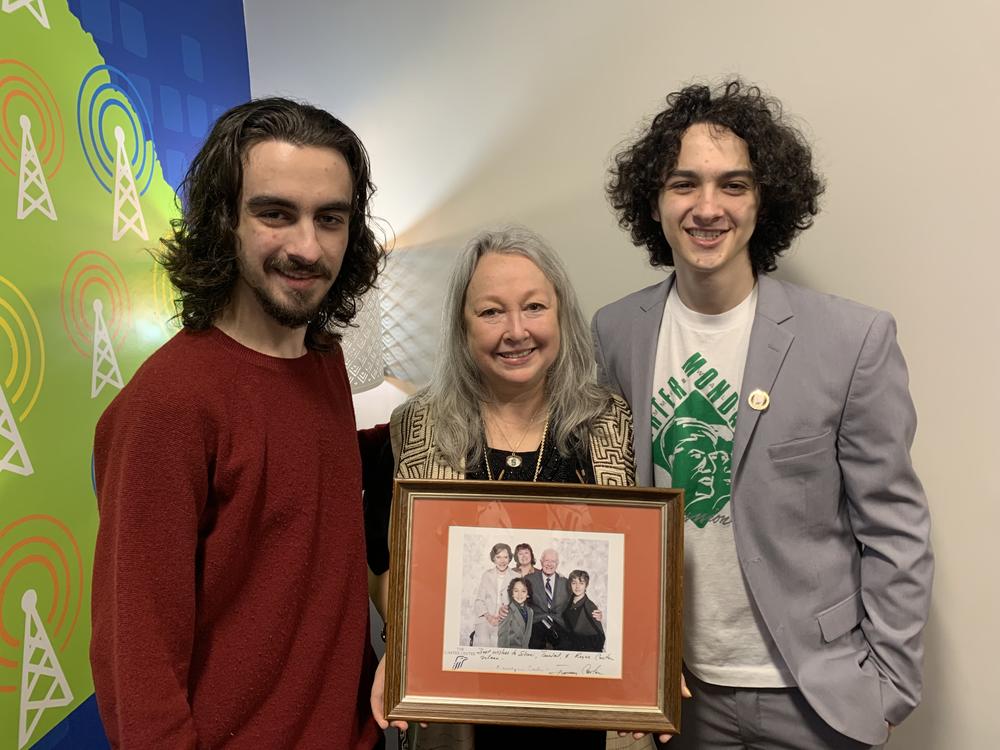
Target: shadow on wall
x: 923, y: 728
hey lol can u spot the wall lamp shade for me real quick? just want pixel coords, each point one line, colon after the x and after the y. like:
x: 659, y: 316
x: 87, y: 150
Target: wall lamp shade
x: 362, y: 344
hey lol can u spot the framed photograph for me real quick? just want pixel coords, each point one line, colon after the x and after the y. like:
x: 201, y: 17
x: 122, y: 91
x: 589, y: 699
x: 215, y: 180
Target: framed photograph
x: 535, y: 604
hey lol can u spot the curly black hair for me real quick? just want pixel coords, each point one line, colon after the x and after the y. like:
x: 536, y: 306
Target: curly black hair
x: 510, y: 588
x: 201, y: 255
x: 779, y: 155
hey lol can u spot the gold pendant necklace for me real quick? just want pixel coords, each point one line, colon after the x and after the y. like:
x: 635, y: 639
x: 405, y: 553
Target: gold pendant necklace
x: 538, y: 463
x: 514, y: 460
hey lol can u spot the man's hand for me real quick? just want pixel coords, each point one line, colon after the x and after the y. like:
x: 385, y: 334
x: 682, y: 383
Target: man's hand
x: 598, y: 615
x: 685, y: 693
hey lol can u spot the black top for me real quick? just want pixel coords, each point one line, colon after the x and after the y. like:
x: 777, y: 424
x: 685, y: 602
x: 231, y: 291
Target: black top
x: 376, y: 476
x: 555, y: 467
x: 377, y: 473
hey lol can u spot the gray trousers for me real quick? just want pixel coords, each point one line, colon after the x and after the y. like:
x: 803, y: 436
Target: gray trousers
x: 728, y: 718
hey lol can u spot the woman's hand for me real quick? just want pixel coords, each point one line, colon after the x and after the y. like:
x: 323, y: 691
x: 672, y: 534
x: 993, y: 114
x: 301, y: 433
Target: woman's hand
x: 377, y: 699
x: 663, y: 738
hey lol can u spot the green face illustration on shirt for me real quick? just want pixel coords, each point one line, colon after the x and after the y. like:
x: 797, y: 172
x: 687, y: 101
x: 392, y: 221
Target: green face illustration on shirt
x: 695, y: 447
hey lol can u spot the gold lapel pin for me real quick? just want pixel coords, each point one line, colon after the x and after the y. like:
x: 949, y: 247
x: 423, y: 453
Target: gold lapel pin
x: 758, y: 400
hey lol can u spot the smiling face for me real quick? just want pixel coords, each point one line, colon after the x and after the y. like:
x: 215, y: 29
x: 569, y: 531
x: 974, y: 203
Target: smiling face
x: 512, y: 323
x: 519, y: 592
x: 550, y: 561
x: 501, y: 560
x: 708, y: 207
x: 524, y: 557
x: 579, y: 586
x: 292, y: 232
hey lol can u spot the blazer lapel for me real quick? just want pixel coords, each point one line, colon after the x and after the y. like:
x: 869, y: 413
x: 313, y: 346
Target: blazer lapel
x: 770, y: 338
x: 645, y: 334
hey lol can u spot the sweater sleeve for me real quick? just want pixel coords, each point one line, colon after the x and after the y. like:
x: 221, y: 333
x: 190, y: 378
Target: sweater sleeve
x: 152, y: 474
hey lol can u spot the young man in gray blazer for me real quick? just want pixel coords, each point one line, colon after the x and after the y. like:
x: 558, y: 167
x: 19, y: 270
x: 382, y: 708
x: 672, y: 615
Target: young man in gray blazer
x: 785, y: 416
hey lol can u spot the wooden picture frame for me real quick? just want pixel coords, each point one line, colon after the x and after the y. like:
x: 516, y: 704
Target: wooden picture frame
x: 441, y: 665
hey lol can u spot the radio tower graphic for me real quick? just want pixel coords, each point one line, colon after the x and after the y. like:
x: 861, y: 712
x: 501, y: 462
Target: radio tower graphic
x: 97, y: 312
x: 22, y: 370
x: 164, y: 300
x: 126, y: 197
x: 104, y: 369
x: 43, y: 684
x: 41, y: 569
x: 37, y: 8
x: 115, y: 132
x: 31, y: 178
x: 32, y: 137
x: 16, y: 458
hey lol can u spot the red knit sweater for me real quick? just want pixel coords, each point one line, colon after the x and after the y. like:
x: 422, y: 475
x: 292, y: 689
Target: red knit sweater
x: 230, y: 602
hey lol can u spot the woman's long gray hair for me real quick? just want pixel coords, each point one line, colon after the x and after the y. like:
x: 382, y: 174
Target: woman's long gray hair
x: 457, y: 390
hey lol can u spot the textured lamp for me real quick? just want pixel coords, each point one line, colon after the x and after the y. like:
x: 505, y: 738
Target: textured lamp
x: 412, y: 296
x: 362, y: 344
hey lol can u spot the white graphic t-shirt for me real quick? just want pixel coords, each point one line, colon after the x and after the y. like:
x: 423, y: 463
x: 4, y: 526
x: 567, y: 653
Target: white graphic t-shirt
x: 696, y: 393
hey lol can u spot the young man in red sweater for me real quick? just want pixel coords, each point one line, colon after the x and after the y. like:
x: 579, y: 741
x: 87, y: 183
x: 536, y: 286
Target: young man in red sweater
x: 228, y: 472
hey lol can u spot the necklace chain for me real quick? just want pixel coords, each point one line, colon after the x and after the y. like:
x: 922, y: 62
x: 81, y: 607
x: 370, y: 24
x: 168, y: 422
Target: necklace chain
x: 514, y: 460
x: 538, y: 462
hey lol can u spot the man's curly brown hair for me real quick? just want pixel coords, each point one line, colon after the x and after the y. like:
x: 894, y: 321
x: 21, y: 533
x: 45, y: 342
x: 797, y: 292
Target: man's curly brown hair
x: 779, y: 156
x: 201, y: 255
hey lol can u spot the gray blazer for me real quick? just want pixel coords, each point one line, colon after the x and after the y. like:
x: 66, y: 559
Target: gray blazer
x: 515, y: 630
x: 538, y: 601
x: 830, y: 521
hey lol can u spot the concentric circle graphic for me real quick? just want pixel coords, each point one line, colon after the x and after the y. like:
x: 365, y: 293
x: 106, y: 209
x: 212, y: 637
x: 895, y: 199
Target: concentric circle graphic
x: 24, y: 93
x: 22, y: 350
x: 107, y: 100
x: 93, y: 276
x: 164, y: 298
x: 37, y: 553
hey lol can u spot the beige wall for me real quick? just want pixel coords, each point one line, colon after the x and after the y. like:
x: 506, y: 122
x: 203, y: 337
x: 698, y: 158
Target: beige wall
x: 481, y: 112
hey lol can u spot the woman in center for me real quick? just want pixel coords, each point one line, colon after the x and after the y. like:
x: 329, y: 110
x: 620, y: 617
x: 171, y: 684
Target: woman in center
x: 513, y: 398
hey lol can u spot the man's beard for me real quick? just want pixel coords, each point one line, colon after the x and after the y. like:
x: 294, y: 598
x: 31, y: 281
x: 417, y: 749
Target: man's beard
x: 294, y: 315
x: 290, y: 317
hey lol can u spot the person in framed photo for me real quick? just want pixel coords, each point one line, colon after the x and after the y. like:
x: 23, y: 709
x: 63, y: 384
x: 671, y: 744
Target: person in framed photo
x: 585, y: 631
x: 514, y: 397
x: 550, y: 598
x: 524, y: 557
x: 492, y: 596
x: 515, y: 628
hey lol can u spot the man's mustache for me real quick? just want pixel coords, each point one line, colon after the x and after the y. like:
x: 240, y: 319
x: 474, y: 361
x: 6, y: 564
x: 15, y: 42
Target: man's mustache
x: 293, y: 266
